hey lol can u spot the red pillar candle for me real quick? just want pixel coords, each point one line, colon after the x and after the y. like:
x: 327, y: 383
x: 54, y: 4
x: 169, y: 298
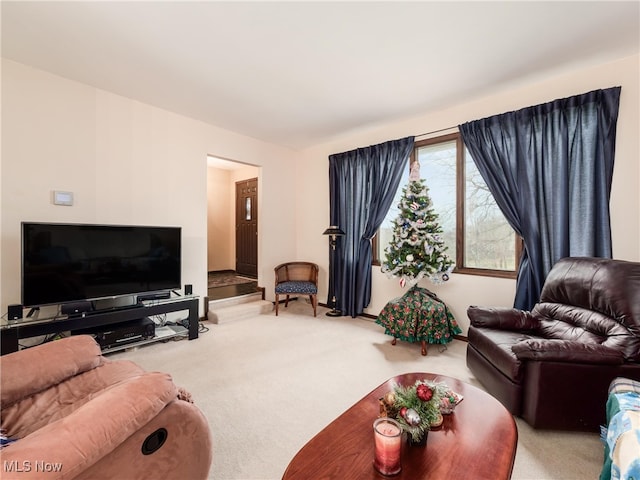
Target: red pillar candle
x: 387, y: 434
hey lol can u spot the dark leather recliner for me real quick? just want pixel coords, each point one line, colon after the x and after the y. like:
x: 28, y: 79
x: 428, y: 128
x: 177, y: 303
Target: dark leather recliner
x: 553, y: 365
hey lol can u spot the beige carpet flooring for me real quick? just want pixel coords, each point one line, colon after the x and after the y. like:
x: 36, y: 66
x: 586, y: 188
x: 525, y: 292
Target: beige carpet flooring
x: 268, y: 384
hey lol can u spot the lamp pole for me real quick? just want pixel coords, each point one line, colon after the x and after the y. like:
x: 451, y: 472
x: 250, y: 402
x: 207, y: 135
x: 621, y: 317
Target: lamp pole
x: 334, y: 232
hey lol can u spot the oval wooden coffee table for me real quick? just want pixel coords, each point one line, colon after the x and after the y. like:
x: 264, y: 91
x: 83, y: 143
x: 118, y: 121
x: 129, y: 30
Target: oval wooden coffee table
x: 478, y: 441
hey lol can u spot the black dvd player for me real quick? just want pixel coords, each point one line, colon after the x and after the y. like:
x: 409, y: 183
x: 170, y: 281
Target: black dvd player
x: 110, y: 336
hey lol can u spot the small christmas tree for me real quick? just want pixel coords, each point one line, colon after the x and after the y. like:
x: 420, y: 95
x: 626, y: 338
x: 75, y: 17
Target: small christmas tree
x: 417, y: 249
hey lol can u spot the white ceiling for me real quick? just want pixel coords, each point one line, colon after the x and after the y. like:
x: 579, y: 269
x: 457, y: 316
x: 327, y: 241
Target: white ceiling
x: 300, y: 73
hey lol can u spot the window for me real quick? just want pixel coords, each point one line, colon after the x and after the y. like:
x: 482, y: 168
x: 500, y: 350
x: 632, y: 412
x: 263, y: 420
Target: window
x: 476, y: 233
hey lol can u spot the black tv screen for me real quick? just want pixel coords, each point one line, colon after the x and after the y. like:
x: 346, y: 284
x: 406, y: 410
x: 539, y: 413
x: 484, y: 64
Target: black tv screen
x: 72, y: 262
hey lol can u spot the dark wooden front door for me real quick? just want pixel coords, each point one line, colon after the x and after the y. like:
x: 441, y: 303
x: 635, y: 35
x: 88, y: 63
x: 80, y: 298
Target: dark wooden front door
x: 247, y: 227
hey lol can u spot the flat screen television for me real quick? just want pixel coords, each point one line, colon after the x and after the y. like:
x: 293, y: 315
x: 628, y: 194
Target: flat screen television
x: 75, y: 262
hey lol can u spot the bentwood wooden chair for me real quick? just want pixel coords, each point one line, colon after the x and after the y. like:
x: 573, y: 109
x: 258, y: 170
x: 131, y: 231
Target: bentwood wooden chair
x: 297, y: 278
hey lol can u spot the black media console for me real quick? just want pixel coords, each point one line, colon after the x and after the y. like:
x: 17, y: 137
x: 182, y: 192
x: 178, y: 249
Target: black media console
x: 26, y: 327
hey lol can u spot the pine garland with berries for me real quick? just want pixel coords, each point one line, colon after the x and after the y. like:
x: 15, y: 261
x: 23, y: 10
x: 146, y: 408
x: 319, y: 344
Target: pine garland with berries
x: 417, y: 407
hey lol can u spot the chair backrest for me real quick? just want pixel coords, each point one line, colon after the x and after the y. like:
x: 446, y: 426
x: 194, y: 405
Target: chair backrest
x: 297, y: 272
x: 598, y: 298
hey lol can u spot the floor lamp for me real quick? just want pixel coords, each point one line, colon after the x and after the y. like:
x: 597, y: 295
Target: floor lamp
x: 334, y: 232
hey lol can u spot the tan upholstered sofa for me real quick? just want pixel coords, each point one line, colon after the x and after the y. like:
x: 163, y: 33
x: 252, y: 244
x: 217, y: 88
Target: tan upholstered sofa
x: 75, y: 414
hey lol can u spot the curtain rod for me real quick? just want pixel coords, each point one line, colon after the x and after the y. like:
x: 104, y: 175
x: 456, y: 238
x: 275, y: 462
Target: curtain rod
x: 436, y: 131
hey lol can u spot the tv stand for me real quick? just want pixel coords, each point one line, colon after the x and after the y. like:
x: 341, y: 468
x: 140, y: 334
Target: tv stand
x: 14, y: 330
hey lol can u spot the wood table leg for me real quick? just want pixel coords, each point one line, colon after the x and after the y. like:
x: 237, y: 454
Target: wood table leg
x: 424, y: 348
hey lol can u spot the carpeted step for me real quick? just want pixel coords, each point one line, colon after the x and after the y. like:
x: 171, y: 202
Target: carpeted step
x: 238, y: 308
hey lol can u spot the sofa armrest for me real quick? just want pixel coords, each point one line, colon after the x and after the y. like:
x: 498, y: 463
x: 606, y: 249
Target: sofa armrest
x: 80, y: 439
x: 502, y: 318
x: 32, y: 370
x: 553, y: 350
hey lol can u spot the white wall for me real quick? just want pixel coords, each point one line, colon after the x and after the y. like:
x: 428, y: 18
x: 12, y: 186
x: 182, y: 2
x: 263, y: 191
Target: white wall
x: 126, y: 163
x: 464, y: 290
x: 219, y: 219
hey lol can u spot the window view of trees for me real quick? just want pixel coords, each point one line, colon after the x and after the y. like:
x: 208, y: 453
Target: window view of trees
x: 489, y: 241
x: 438, y: 168
x: 475, y: 232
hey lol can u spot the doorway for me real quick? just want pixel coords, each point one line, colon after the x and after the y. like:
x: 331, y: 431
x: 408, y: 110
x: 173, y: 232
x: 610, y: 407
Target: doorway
x: 222, y: 209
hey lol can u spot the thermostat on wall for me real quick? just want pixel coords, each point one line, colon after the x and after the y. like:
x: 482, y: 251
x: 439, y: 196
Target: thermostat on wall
x: 63, y: 198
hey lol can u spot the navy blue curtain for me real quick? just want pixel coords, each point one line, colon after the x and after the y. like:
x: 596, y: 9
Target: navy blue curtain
x: 549, y: 168
x: 362, y: 185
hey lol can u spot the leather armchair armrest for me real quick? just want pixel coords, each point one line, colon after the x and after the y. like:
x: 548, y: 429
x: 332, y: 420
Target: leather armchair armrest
x: 501, y: 318
x: 553, y: 350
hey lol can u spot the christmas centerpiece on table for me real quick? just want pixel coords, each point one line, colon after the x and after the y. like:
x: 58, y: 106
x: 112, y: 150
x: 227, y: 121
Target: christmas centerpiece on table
x: 417, y: 251
x: 419, y: 407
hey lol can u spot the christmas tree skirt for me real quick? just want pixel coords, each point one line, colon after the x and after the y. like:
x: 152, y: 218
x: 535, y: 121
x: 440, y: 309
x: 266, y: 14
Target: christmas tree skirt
x: 419, y: 316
